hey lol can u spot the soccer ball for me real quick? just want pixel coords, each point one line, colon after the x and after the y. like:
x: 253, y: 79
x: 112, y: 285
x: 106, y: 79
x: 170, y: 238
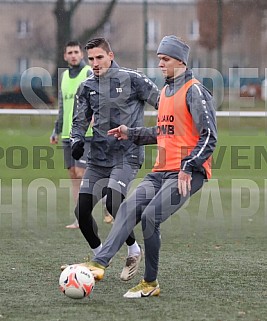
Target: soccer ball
x: 76, y: 282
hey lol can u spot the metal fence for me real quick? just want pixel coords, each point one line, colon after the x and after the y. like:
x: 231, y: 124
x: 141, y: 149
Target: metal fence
x: 54, y: 112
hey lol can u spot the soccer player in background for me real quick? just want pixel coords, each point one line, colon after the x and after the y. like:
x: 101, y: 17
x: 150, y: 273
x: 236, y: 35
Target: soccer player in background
x: 186, y: 135
x: 71, y: 79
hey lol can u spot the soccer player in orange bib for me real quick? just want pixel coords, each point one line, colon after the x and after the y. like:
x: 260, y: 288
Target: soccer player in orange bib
x: 186, y: 136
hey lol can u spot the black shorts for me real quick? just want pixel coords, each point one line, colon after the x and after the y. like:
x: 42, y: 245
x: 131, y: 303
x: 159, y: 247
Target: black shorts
x: 96, y: 179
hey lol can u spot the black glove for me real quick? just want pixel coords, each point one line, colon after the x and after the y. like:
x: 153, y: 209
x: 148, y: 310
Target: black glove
x: 77, y: 150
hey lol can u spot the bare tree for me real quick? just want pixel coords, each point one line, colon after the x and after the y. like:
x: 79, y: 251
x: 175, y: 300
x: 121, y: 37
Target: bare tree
x: 64, y: 12
x: 89, y: 32
x: 208, y: 25
x: 233, y: 13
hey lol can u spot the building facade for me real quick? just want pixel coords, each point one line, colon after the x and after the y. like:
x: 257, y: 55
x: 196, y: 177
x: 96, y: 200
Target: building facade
x: 28, y: 34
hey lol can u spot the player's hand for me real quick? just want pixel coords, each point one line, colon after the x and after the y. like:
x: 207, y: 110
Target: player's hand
x: 120, y: 132
x: 184, y: 183
x: 77, y: 150
x: 54, y: 139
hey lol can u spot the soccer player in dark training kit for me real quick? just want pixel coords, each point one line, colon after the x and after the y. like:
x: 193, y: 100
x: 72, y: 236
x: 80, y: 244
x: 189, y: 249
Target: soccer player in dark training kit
x: 186, y: 136
x: 112, y: 95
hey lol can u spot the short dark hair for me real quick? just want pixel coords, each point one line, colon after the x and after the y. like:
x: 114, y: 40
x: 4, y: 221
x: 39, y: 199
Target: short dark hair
x: 72, y: 43
x: 98, y: 42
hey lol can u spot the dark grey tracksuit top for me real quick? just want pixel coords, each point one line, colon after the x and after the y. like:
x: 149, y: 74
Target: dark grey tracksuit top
x: 204, y: 119
x: 115, y: 98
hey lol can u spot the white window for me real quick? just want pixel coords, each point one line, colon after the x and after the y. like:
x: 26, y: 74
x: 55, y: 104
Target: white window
x: 153, y: 30
x: 23, y: 28
x: 23, y: 64
x: 194, y: 30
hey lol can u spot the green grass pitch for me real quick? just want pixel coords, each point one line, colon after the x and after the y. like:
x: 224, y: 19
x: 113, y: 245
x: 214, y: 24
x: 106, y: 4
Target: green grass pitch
x: 213, y: 255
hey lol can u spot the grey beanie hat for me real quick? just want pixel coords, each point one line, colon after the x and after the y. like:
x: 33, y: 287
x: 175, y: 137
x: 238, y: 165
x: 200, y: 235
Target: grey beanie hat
x: 175, y: 48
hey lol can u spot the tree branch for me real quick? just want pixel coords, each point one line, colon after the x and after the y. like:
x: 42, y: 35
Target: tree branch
x: 74, y: 5
x: 91, y: 31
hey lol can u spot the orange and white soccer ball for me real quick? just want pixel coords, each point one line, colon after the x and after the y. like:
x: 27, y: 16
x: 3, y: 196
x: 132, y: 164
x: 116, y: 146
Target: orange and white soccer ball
x: 76, y: 282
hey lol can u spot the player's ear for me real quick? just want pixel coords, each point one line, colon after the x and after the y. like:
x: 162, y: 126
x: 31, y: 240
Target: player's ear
x: 111, y: 55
